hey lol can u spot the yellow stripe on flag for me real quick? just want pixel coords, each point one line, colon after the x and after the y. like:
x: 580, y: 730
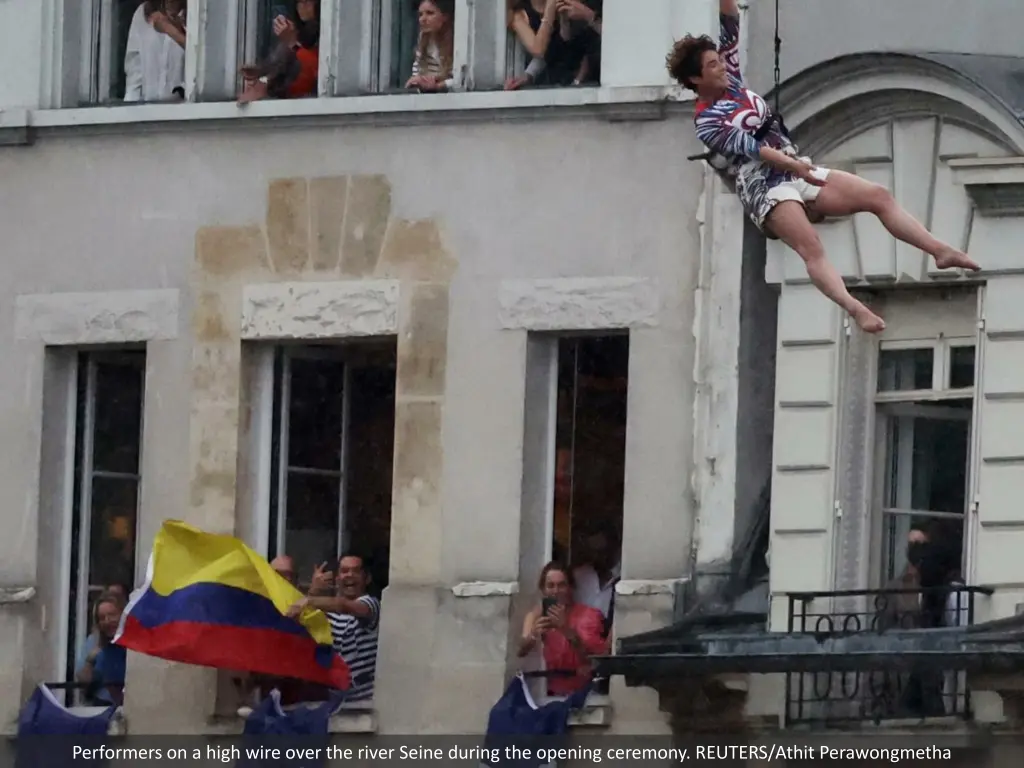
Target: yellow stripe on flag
x: 183, y: 556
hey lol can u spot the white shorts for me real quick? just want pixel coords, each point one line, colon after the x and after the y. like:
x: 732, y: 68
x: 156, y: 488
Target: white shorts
x: 798, y: 190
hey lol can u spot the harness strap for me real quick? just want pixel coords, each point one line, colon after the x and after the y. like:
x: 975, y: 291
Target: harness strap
x: 774, y: 118
x: 760, y: 134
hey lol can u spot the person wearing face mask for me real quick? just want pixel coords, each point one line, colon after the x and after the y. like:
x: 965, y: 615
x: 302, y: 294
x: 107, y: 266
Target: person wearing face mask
x: 918, y: 605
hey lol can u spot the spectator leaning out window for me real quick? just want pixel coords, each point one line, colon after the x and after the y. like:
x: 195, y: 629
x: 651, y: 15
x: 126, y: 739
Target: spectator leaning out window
x: 562, y: 39
x: 568, y: 632
x: 292, y: 68
x: 432, y: 65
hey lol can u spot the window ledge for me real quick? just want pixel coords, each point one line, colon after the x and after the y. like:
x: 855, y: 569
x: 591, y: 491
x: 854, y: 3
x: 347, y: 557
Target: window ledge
x: 16, y: 595
x: 345, y: 720
x: 486, y: 589
x: 629, y: 587
x: 631, y: 102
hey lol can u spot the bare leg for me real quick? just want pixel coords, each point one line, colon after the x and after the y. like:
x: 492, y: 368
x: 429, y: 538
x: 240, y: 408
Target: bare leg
x: 845, y: 194
x: 788, y: 221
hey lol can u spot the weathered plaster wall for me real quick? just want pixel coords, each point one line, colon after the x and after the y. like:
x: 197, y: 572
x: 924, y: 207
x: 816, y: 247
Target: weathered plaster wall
x: 326, y: 232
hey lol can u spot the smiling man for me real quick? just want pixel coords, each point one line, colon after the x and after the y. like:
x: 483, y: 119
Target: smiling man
x: 354, y: 617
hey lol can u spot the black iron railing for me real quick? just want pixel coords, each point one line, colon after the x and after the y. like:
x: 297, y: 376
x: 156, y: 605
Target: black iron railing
x: 876, y: 695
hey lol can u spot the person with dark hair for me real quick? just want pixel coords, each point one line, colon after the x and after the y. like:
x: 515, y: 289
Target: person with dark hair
x: 783, y: 192
x: 354, y: 616
x: 292, y: 69
x: 568, y: 632
x: 435, y: 49
x: 544, y: 29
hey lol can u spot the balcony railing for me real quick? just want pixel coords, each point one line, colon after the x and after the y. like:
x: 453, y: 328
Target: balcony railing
x: 850, y: 697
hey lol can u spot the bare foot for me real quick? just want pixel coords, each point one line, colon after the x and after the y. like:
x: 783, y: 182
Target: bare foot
x: 867, y: 320
x: 954, y: 258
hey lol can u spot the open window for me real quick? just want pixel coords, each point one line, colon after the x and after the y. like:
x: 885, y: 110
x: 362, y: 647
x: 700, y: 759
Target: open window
x: 924, y: 405
x: 572, y: 58
x: 111, y: 53
x: 375, y: 43
x: 574, y: 445
x: 590, y: 444
x: 101, y: 539
x: 331, y: 455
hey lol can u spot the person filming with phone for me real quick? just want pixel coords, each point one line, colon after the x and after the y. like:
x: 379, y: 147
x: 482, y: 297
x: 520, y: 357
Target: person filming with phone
x: 568, y: 632
x: 292, y: 68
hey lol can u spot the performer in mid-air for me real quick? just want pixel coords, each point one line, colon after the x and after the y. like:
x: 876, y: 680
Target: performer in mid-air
x: 782, y: 192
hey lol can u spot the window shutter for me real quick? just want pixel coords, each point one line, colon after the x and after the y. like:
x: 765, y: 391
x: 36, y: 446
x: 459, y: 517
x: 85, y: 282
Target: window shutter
x: 997, y: 516
x: 854, y: 511
x: 804, y: 450
x: 353, y: 42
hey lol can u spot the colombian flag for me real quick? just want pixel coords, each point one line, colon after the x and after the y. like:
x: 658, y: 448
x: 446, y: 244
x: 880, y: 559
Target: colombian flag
x: 211, y: 601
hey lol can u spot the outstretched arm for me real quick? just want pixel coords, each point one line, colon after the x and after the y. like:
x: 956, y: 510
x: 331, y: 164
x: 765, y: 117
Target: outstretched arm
x: 729, y: 37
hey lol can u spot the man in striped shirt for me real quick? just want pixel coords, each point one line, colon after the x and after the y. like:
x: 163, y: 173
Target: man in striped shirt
x: 354, y: 616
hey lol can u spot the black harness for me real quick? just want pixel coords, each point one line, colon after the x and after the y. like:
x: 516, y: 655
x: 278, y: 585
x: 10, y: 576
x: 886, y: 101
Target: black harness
x: 760, y: 134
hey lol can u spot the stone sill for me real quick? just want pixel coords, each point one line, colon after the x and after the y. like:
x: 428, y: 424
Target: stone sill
x: 617, y: 102
x: 953, y: 727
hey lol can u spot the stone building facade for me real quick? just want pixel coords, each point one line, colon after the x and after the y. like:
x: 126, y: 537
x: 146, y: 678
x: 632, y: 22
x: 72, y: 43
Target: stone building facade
x: 468, y: 230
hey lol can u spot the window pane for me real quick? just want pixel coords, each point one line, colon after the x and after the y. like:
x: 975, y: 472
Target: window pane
x: 311, y: 531
x: 927, y: 461
x: 590, y: 439
x: 314, y: 427
x: 371, y: 450
x: 404, y: 32
x: 961, y: 367
x: 112, y: 532
x: 902, y: 370
x: 123, y: 10
x: 118, y: 415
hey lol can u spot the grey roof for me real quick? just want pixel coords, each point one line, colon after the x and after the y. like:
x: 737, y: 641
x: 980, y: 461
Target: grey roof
x: 1001, y: 76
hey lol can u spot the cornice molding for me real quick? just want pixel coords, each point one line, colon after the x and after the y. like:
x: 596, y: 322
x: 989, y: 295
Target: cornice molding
x: 830, y: 103
x: 995, y: 186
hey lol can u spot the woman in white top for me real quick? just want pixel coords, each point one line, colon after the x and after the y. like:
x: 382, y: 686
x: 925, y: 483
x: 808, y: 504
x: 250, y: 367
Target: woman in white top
x: 154, y: 61
x: 432, y: 67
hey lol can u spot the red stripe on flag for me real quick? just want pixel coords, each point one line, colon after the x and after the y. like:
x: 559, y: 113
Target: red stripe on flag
x: 247, y: 650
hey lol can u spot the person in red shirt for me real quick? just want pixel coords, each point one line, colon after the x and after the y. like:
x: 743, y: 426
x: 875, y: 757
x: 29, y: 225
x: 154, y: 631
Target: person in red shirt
x: 292, y: 69
x: 568, y: 632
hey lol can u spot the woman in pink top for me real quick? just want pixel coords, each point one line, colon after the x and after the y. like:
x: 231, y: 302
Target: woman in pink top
x: 569, y: 632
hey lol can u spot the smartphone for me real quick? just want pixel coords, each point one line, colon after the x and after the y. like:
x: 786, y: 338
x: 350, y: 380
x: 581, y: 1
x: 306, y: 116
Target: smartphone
x: 279, y: 10
x: 546, y: 605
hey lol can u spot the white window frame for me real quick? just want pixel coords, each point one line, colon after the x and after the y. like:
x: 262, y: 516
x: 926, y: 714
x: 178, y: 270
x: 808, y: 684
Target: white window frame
x: 77, y: 31
x: 269, y: 403
x: 218, y: 41
x: 893, y: 405
x: 283, y: 469
x: 355, y: 52
x: 553, y: 351
x: 84, y: 506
